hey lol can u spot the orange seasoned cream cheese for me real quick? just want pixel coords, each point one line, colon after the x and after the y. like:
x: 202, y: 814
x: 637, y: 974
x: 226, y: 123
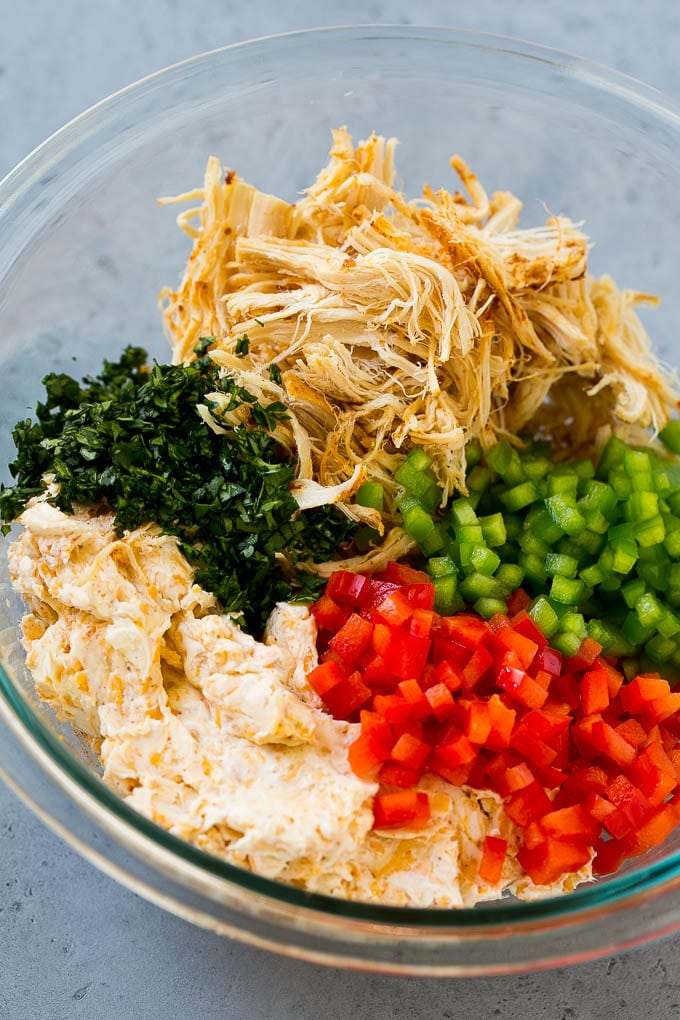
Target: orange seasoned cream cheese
x: 217, y: 737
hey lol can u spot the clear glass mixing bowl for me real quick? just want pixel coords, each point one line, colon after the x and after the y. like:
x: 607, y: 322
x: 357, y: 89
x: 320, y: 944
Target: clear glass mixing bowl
x: 84, y: 250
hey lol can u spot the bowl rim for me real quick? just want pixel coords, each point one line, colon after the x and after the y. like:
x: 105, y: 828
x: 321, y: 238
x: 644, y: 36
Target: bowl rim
x: 616, y: 892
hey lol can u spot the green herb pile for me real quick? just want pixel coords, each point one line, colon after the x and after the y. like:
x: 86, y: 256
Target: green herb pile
x: 132, y: 438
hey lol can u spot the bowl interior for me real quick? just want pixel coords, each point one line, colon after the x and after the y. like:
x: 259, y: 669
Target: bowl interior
x: 85, y: 248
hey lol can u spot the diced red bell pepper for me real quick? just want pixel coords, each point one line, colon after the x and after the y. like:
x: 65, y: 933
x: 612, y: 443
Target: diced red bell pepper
x: 449, y: 675
x: 398, y: 775
x: 440, y: 701
x: 402, y: 808
x: 377, y: 726
x: 598, y: 807
x: 518, y: 601
x: 346, y: 587
x: 410, y: 752
x: 421, y: 596
x: 498, y: 620
x: 421, y: 622
x: 528, y: 805
x: 632, y: 731
x: 392, y: 707
x: 374, y: 592
x: 532, y: 747
x: 661, y: 709
x: 406, y: 655
x: 585, y: 657
x: 605, y: 740
x: 609, y: 855
x: 548, y: 660
x: 381, y: 639
x: 524, y: 625
x: 477, y: 721
x: 625, y: 796
x: 595, y: 691
x: 637, y: 695
x: 444, y: 650
x: 352, y: 638
x: 465, y: 629
x: 510, y: 640
x: 347, y: 697
x: 545, y: 725
x: 517, y: 777
x: 567, y: 689
x: 494, y: 852
x: 571, y: 822
x: 401, y: 573
x: 366, y: 754
x: 480, y: 661
x: 457, y: 775
x: 653, y: 773
x: 328, y: 614
x: 377, y: 675
x: 547, y: 862
x: 325, y: 676
x: 654, y: 830
x: 395, y: 609
x: 614, y: 676
x: 586, y: 779
x: 411, y: 692
x: 521, y: 687
x: 502, y: 721
x: 456, y: 750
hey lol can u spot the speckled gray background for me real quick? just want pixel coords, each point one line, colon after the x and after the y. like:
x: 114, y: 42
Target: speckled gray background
x: 72, y: 943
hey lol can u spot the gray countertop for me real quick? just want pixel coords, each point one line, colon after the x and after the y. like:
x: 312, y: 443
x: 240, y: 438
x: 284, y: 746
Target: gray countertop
x: 72, y: 943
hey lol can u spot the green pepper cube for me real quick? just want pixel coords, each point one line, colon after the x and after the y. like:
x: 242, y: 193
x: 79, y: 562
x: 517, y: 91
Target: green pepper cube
x: 493, y: 529
x: 371, y: 494
x: 441, y: 566
x: 488, y: 607
x: 565, y: 514
x: 556, y: 563
x: 670, y: 436
x: 636, y: 461
x: 544, y: 616
x: 650, y: 532
x: 632, y: 591
x: 484, y: 560
x: 509, y: 577
x: 504, y: 460
x: 447, y: 598
x: 625, y: 556
x: 649, y: 610
x: 566, y: 590
x: 476, y: 586
x: 462, y: 513
x: 519, y: 496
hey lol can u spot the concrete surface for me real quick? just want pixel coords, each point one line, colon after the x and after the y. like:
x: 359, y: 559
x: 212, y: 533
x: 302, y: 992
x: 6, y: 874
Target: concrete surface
x: 72, y: 943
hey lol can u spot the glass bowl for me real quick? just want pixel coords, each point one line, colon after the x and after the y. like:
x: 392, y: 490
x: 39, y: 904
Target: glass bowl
x: 84, y: 251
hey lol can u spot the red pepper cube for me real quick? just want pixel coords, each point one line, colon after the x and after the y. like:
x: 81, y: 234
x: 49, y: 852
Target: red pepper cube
x: 377, y: 675
x: 421, y: 623
x: 440, y: 701
x: 654, y: 774
x: 406, y: 655
x: 479, y: 663
x: 547, y: 862
x: 632, y: 731
x: 655, y: 829
x: 477, y: 721
x: 410, y: 752
x: 532, y: 747
x: 567, y: 689
x: 502, y: 721
x: 381, y: 639
x: 366, y: 754
x: 421, y: 596
x: 585, y: 656
x: 346, y: 587
x: 444, y: 650
x: 605, y: 740
x: 402, y: 574
x: 412, y: 692
x: 326, y: 676
x: 524, y: 625
x: 374, y: 592
x: 609, y: 856
x: 510, y: 640
x: 494, y: 852
x: 352, y: 638
x: 595, y: 691
x: 586, y: 779
x: 520, y: 686
x: 375, y: 724
x: 518, y: 601
x: 515, y: 778
x: 395, y: 609
x: 641, y: 691
x: 497, y: 621
x: 465, y: 629
x: 457, y: 775
x: 394, y: 810
x: 456, y: 750
x: 528, y: 805
x: 392, y: 708
x: 598, y: 807
x: 399, y: 775
x: 571, y: 822
x: 630, y: 801
x: 347, y: 697
x: 449, y: 675
x: 548, y: 660
x: 328, y: 614
x: 545, y: 725
x: 660, y: 709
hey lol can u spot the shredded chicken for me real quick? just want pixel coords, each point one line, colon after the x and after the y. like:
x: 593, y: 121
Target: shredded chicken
x: 397, y: 323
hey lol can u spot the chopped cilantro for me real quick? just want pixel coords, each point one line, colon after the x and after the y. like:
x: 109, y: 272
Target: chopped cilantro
x: 132, y: 438
x: 275, y: 374
x: 242, y: 346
